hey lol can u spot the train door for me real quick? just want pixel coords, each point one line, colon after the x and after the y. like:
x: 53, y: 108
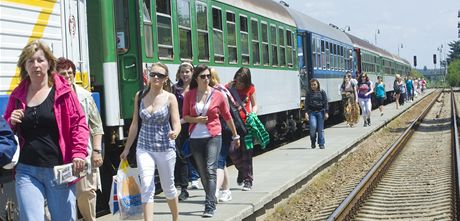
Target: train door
x: 76, y: 38
x: 305, y: 60
x: 128, y: 53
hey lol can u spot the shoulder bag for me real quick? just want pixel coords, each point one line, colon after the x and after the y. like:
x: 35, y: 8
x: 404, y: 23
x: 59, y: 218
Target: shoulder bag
x: 132, y: 151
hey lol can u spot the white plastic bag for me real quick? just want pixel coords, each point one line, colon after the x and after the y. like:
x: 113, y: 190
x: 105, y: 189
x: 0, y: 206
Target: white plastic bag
x: 113, y: 201
x: 129, y: 192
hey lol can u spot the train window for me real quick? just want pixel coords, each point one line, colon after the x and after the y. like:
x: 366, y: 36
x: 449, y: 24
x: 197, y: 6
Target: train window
x: 326, y: 47
x: 164, y: 30
x: 255, y: 42
x: 331, y: 56
x: 323, y: 55
x: 273, y: 41
x: 202, y: 29
x: 334, y: 56
x: 147, y: 23
x: 318, y: 51
x: 289, y: 47
x: 244, y: 39
x: 218, y: 35
x: 294, y: 54
x: 282, y: 45
x: 265, y: 52
x: 231, y: 38
x: 185, y: 29
x: 122, y: 25
x: 313, y: 46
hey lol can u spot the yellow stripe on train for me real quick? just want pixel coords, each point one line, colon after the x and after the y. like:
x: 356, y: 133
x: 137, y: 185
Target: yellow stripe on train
x: 46, y: 8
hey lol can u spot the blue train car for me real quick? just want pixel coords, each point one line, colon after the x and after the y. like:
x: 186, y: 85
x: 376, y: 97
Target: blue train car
x: 325, y: 53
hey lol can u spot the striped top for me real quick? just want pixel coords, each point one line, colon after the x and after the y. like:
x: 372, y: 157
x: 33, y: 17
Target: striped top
x: 155, y: 127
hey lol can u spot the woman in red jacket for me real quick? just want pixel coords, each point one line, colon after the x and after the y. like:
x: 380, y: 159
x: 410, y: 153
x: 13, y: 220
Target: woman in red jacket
x: 52, y: 132
x: 202, y: 107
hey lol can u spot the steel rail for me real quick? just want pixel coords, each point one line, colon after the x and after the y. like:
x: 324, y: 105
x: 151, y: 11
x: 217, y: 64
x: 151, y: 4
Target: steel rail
x: 350, y: 205
x: 456, y: 156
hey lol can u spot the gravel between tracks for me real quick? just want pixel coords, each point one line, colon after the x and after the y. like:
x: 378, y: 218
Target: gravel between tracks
x: 319, y: 197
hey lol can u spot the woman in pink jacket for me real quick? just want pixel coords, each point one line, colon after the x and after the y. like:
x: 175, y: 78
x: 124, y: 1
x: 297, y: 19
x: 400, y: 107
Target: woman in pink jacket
x: 202, y: 107
x: 52, y: 131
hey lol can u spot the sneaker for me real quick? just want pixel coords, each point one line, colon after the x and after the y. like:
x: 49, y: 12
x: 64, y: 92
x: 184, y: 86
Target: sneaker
x: 208, y: 213
x: 247, y: 186
x: 225, y: 196
x: 239, y: 181
x: 313, y: 146
x: 195, y: 185
x: 183, y: 195
x: 381, y: 114
x: 368, y: 121
x: 321, y: 147
x: 365, y: 124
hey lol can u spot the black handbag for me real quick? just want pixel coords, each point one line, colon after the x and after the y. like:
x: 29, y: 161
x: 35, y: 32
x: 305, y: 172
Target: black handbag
x: 132, y: 151
x: 235, y: 112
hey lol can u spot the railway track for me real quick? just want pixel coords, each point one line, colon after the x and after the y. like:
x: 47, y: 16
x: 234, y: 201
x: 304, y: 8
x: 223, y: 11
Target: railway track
x: 416, y: 179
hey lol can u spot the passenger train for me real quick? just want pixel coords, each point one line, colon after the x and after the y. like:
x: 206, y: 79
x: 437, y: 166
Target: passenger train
x: 113, y: 42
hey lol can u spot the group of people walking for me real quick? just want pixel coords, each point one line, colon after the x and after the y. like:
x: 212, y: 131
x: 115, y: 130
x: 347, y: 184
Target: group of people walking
x: 58, y: 123
x: 195, y: 123
x: 195, y: 107
x: 357, y: 96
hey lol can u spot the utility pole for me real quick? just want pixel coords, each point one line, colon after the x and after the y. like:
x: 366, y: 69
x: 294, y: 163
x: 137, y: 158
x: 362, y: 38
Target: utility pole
x: 400, y: 45
x: 377, y: 32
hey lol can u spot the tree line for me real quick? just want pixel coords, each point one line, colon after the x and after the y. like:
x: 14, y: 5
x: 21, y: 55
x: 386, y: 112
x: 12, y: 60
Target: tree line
x: 453, y: 61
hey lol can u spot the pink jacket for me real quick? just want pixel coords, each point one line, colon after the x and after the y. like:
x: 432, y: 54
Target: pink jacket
x: 217, y: 107
x: 70, y: 118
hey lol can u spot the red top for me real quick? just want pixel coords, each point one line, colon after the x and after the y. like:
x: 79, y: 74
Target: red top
x: 217, y: 107
x: 245, y: 96
x: 70, y: 118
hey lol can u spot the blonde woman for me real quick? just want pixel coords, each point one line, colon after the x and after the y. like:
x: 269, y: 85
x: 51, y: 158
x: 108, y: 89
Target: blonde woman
x: 52, y: 131
x: 397, y: 85
x: 156, y: 145
x: 349, y: 100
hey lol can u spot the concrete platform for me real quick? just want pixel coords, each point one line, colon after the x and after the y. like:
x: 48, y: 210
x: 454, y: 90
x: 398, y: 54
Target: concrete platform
x: 276, y: 171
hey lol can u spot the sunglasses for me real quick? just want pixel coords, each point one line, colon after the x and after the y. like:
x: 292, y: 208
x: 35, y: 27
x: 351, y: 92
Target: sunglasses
x: 204, y: 76
x: 158, y: 75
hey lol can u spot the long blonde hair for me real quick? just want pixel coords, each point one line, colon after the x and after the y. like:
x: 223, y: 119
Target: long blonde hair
x: 28, y: 51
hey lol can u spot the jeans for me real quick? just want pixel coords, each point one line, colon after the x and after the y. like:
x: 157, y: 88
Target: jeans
x: 192, y: 173
x: 316, y: 120
x: 34, y: 185
x: 206, y: 152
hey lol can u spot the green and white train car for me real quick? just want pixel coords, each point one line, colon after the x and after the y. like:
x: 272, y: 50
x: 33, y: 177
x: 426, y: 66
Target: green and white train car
x: 113, y: 42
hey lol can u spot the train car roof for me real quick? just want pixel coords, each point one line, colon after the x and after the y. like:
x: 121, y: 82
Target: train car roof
x: 360, y: 43
x: 401, y: 60
x: 267, y: 8
x: 307, y: 23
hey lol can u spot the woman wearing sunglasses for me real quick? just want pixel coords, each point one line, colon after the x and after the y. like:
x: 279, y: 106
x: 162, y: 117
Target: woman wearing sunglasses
x: 156, y: 145
x: 202, y: 108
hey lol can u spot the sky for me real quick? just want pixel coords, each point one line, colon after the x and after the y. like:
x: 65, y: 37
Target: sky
x: 420, y: 26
